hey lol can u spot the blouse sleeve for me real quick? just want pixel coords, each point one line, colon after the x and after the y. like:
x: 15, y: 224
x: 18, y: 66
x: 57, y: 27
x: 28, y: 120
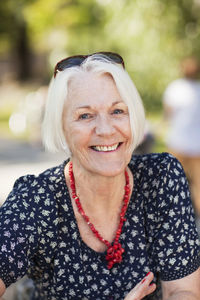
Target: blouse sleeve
x: 18, y: 231
x: 175, y: 243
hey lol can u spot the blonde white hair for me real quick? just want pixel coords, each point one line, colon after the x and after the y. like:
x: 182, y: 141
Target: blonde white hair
x: 52, y: 129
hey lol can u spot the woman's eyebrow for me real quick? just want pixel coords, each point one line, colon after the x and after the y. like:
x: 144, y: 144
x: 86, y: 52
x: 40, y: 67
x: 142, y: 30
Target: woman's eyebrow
x: 88, y: 106
x: 116, y: 102
x: 84, y: 106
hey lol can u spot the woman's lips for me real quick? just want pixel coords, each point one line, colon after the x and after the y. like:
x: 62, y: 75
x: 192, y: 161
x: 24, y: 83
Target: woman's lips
x: 105, y: 148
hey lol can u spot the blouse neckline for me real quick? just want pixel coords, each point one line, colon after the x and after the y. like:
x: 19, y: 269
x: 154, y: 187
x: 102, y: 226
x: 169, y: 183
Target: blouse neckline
x: 72, y: 214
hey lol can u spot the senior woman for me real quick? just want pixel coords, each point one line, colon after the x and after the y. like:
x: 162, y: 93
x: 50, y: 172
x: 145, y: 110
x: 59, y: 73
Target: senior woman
x: 105, y: 224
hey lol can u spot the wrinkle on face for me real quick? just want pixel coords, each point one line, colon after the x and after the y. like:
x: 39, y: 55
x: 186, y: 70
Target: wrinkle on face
x: 91, y: 119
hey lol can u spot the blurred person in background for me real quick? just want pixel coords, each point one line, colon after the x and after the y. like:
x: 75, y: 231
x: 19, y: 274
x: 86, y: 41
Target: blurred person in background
x: 105, y: 224
x: 182, y: 110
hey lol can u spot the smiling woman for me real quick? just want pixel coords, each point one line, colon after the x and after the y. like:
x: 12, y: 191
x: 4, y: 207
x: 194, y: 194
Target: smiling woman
x: 105, y: 224
x: 94, y: 66
x: 96, y: 125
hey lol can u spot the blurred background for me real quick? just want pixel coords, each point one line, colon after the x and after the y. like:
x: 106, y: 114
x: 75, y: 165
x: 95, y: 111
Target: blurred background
x: 152, y: 36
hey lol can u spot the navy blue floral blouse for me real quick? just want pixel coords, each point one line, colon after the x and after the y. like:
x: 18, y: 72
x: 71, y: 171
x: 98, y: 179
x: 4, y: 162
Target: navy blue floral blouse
x: 39, y: 235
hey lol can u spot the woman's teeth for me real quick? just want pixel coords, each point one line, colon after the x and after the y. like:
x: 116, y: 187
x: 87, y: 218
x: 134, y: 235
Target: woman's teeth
x: 105, y: 148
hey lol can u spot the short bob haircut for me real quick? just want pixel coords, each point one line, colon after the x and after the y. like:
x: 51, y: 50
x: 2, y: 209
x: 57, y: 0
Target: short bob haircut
x: 52, y: 128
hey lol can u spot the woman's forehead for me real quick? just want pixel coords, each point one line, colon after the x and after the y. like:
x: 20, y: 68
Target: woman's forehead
x: 90, y: 86
x: 87, y: 78
x: 90, y: 91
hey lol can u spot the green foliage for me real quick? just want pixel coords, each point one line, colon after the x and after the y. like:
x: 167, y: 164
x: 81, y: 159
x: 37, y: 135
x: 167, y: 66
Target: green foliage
x: 11, y: 17
x: 153, y: 36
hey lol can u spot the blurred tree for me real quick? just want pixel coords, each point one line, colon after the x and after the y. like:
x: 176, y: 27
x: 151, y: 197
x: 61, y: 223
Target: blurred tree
x: 75, y: 26
x: 13, y: 28
x: 153, y: 36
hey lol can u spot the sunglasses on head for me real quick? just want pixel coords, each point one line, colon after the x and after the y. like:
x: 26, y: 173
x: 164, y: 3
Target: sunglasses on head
x: 77, y: 60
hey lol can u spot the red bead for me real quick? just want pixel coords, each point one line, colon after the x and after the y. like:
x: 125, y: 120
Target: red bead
x: 109, y: 266
x: 86, y: 219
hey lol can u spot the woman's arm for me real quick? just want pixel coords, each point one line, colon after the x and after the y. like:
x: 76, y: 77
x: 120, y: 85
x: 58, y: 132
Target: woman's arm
x: 2, y: 288
x: 187, y: 288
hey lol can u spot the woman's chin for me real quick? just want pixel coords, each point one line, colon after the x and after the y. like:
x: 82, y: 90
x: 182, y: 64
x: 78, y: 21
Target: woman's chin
x: 109, y: 170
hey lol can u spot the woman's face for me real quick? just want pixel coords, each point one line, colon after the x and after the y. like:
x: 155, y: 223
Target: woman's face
x: 96, y: 125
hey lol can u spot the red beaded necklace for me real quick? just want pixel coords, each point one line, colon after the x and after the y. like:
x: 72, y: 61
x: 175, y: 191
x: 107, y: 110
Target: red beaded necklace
x: 115, y: 250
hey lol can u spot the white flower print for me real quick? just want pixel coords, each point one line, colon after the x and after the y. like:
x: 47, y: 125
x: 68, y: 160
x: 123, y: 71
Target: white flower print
x: 39, y: 234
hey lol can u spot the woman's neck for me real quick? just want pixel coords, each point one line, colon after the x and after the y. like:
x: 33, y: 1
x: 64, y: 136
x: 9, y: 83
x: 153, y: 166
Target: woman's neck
x: 98, y: 192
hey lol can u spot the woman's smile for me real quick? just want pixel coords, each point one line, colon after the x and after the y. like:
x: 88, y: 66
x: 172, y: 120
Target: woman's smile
x: 97, y: 126
x: 106, y: 148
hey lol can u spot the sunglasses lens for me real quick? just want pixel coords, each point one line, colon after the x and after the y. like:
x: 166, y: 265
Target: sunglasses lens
x: 70, y: 62
x: 115, y: 57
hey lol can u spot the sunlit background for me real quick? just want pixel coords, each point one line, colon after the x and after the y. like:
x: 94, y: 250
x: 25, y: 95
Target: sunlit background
x: 153, y: 36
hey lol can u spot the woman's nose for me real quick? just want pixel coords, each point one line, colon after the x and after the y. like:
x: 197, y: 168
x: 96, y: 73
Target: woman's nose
x: 104, y: 126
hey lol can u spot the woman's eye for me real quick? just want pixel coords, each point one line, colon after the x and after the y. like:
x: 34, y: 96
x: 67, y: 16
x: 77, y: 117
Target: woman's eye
x: 118, y: 111
x: 84, y: 116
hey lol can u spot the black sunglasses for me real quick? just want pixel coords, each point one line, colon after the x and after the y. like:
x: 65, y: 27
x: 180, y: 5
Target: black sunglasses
x: 78, y: 59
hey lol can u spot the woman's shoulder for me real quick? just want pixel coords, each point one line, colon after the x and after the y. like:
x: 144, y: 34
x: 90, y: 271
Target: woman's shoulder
x: 48, y: 178
x: 154, y: 162
x: 34, y: 189
x: 35, y: 199
x: 157, y: 171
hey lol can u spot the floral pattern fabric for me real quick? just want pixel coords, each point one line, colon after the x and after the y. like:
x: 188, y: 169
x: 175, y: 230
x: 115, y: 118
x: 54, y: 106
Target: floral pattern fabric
x: 40, y: 237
